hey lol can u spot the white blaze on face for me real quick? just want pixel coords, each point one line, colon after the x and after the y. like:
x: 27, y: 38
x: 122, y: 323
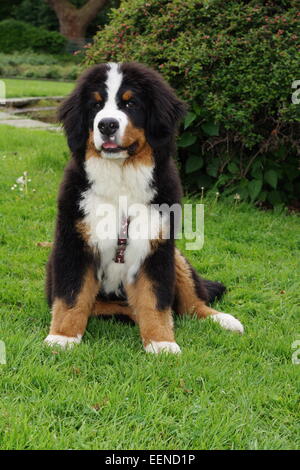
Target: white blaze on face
x: 111, y: 110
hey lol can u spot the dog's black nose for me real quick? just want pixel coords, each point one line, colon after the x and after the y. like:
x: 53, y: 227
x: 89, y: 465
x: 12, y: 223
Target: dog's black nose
x: 108, y: 126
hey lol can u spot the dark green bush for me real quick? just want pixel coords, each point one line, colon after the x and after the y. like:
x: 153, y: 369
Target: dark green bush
x: 37, y: 13
x: 18, y: 36
x: 234, y: 63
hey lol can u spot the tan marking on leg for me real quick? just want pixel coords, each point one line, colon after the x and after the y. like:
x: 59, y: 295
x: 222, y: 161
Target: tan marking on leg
x: 188, y: 301
x: 103, y: 307
x: 155, y: 325
x: 84, y: 230
x: 72, y: 321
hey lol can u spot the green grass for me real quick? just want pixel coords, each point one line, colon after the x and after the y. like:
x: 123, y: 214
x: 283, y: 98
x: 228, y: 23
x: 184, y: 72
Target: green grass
x: 21, y: 88
x: 224, y: 392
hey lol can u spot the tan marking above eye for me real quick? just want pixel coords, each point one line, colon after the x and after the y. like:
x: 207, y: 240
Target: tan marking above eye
x: 97, y: 96
x: 127, y: 95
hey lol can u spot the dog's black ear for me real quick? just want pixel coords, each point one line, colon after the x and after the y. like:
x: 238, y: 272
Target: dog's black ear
x: 165, y: 112
x: 72, y: 114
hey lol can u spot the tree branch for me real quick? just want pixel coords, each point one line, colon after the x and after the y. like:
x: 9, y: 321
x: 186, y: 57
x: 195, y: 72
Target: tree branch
x: 86, y: 13
x: 60, y: 6
x: 73, y: 21
x: 90, y: 9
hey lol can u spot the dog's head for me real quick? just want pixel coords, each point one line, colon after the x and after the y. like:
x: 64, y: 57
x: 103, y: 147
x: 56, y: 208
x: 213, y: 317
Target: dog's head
x: 116, y: 109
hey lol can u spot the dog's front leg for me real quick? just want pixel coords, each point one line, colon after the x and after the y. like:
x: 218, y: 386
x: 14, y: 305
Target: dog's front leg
x: 150, y: 296
x: 69, y: 319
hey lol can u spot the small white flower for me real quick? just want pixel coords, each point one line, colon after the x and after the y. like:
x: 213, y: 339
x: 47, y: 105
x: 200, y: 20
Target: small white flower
x: 236, y: 197
x: 20, y: 180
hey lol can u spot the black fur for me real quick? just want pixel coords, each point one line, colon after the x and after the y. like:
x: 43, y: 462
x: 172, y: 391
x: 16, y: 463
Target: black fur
x: 69, y: 258
x: 78, y: 109
x: 215, y: 290
x: 158, y: 111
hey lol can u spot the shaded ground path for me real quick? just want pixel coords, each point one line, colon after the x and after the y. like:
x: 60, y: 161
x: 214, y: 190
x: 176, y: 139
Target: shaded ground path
x: 14, y: 106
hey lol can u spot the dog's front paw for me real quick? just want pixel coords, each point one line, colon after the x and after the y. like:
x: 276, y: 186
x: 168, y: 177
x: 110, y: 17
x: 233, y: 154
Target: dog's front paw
x: 156, y: 347
x: 228, y: 322
x: 62, y: 341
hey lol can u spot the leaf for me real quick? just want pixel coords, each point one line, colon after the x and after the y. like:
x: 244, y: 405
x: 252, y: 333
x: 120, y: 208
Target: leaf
x: 186, y: 139
x: 254, y: 188
x: 233, y: 168
x: 257, y: 165
x: 244, y: 193
x: 256, y: 171
x: 281, y: 152
x: 274, y: 197
x: 211, y: 128
x: 213, y: 167
x: 193, y: 163
x: 291, y: 172
x: 189, y: 118
x: 197, y: 108
x: 223, y: 179
x: 204, y: 181
x: 262, y: 196
x: 271, y: 177
x: 257, y: 174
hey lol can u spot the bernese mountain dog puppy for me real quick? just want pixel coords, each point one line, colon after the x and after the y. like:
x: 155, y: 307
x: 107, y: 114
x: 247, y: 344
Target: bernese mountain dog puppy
x: 121, y: 123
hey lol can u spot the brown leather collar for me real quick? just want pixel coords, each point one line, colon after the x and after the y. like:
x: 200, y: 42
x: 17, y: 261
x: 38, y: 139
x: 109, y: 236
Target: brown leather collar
x: 122, y: 241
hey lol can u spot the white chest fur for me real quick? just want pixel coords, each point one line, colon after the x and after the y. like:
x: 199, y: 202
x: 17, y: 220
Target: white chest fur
x: 111, y: 182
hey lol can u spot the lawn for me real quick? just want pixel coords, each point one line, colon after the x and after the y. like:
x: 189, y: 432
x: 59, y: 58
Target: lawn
x: 16, y: 88
x: 224, y: 392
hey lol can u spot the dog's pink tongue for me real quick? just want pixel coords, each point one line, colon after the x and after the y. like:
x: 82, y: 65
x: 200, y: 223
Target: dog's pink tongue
x: 109, y: 145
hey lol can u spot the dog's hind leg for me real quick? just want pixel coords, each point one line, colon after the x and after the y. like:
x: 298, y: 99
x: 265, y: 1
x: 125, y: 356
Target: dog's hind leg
x: 193, y: 293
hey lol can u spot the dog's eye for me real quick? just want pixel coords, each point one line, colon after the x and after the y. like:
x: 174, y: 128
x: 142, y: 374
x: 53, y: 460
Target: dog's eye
x: 129, y: 104
x: 98, y: 105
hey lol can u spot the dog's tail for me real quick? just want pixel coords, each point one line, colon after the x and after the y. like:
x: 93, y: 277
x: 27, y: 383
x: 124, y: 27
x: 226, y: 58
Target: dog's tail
x: 215, y: 290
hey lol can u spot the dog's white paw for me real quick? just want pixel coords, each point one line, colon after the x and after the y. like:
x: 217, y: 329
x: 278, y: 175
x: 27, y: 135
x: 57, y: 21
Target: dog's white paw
x: 228, y: 322
x: 62, y: 341
x: 156, y: 347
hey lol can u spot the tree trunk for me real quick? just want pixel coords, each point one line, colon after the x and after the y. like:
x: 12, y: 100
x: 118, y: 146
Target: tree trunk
x: 73, y: 21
